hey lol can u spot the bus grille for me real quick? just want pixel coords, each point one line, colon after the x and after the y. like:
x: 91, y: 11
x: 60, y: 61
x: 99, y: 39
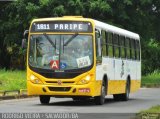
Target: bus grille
x: 64, y: 82
x: 63, y: 89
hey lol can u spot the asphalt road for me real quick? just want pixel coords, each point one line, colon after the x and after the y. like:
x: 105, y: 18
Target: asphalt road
x: 143, y: 99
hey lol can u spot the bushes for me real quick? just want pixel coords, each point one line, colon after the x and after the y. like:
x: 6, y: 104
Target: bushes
x: 150, y: 57
x: 137, y: 16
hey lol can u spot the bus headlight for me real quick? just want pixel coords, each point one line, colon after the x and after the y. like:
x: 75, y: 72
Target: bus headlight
x: 84, y: 80
x: 35, y: 80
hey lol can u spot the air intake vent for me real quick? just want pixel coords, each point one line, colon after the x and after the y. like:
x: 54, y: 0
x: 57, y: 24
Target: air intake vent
x: 63, y: 89
x: 70, y: 82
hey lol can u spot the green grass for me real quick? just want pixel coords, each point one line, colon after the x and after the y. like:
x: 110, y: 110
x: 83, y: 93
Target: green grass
x: 151, y: 113
x: 12, y: 80
x: 151, y: 80
x: 154, y: 109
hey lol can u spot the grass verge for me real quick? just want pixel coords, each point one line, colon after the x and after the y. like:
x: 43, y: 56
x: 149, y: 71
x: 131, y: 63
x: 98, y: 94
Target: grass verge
x: 12, y: 80
x: 151, y: 113
x: 151, y: 80
x: 154, y: 109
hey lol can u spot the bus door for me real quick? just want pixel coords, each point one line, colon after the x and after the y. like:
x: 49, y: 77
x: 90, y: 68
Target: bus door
x: 118, y: 64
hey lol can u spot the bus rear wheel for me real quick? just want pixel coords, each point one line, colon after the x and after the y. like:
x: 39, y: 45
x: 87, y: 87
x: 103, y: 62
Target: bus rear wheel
x: 124, y: 96
x: 44, y: 99
x: 99, y: 100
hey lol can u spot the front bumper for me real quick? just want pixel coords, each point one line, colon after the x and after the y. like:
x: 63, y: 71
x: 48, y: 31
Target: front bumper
x: 91, y: 89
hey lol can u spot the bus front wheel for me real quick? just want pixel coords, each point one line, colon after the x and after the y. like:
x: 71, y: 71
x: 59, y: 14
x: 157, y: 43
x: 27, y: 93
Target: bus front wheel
x: 44, y: 99
x: 99, y: 100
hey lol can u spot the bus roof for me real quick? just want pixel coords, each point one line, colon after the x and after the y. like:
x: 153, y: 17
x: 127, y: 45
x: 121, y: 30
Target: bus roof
x: 115, y: 29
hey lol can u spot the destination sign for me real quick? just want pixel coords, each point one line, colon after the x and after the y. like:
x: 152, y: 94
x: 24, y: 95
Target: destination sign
x: 61, y: 26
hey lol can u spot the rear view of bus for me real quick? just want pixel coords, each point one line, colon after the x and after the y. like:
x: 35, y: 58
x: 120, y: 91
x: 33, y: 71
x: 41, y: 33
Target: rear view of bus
x: 62, y: 60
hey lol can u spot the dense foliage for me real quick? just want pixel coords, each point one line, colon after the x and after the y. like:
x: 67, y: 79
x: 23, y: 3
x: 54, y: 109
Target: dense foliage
x: 140, y: 16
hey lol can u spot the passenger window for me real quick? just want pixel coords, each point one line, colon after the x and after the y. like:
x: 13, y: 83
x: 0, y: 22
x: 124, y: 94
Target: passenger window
x: 133, y: 48
x: 104, y: 45
x: 110, y: 44
x: 138, y: 50
x: 128, y: 48
x: 122, y: 45
x: 116, y: 45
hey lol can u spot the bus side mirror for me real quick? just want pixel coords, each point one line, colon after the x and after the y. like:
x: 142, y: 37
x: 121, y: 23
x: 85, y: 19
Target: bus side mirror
x: 24, y: 41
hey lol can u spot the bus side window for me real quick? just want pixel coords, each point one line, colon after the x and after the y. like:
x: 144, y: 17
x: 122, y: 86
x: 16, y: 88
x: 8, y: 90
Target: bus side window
x: 116, y: 46
x: 110, y: 44
x: 104, y: 46
x: 119, y: 46
x: 137, y: 50
x: 98, y: 46
x: 122, y: 44
x: 127, y: 48
x: 132, y: 49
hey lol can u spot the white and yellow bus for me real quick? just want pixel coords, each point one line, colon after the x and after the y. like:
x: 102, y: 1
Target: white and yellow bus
x: 82, y: 58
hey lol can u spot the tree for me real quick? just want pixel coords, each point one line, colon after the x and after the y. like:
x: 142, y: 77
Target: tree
x: 140, y: 16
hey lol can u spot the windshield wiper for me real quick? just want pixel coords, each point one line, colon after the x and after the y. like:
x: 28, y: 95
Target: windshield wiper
x: 49, y: 39
x: 70, y: 39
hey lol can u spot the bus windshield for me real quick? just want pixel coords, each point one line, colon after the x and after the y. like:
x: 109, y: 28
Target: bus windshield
x: 60, y: 52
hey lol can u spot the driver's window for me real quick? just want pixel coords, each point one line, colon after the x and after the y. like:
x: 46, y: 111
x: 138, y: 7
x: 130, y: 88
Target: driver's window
x: 32, y: 50
x: 98, y: 46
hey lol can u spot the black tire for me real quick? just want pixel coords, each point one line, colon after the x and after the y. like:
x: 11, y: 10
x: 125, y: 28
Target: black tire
x: 100, y: 100
x: 117, y: 97
x: 44, y: 99
x: 124, y: 96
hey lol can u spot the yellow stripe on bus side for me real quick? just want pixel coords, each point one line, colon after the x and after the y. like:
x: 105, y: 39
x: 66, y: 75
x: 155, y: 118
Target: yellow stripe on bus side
x: 118, y: 86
